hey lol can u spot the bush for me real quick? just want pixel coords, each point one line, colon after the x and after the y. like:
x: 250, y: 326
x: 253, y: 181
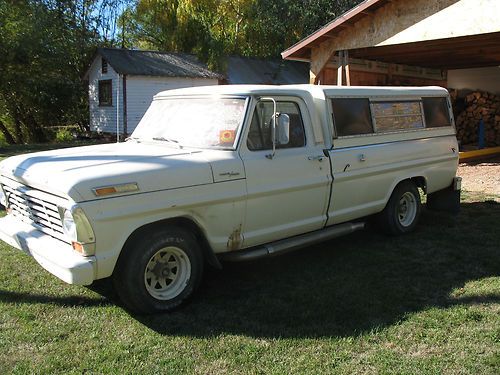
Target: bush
x: 64, y: 135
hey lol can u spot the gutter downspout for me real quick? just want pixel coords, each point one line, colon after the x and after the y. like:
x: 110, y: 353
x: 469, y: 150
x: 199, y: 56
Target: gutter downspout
x: 125, y: 130
x: 118, y: 109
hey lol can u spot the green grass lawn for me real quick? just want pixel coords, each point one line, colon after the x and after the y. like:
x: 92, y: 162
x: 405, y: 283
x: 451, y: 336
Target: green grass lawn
x: 424, y: 303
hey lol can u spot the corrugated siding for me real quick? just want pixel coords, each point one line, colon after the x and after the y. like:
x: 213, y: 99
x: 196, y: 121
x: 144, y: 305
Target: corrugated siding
x: 141, y: 89
x: 103, y: 119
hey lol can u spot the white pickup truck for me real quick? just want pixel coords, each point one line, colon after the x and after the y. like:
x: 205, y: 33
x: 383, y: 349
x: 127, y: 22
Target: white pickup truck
x: 235, y: 172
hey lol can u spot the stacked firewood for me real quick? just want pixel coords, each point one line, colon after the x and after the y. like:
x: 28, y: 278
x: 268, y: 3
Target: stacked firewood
x: 470, y: 110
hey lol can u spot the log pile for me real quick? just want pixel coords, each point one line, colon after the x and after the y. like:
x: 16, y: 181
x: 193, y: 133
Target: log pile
x: 471, y: 109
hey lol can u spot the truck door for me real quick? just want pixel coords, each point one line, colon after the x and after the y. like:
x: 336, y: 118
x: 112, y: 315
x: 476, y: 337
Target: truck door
x: 288, y: 192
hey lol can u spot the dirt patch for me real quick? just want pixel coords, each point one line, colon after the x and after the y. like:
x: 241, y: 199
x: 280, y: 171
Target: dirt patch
x: 482, y: 175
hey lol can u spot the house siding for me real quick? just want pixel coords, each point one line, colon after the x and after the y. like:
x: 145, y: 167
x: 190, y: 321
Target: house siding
x: 141, y: 89
x: 103, y: 118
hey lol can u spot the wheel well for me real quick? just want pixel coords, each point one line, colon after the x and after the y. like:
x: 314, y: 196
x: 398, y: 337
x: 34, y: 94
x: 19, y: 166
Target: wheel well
x: 420, y: 182
x: 181, y: 222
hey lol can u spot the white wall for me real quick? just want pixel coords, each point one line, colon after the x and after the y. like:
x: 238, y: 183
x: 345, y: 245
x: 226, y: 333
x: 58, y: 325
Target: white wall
x: 103, y: 119
x: 141, y: 89
x: 484, y: 79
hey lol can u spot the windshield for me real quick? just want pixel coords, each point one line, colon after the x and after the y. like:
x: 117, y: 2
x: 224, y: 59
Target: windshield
x: 195, y: 122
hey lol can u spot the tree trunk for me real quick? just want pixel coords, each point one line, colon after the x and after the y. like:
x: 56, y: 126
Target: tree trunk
x: 18, y: 130
x: 8, y: 136
x: 36, y: 131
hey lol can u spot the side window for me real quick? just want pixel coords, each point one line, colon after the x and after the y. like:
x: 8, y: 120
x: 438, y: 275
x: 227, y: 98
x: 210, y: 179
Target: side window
x: 352, y: 116
x: 394, y: 116
x: 105, y: 93
x: 436, y: 112
x: 260, y: 132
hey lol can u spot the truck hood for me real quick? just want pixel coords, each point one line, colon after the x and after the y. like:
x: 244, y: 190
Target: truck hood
x: 74, y: 172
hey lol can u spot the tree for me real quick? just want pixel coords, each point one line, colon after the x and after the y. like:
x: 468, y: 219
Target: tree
x: 45, y: 48
x: 213, y: 29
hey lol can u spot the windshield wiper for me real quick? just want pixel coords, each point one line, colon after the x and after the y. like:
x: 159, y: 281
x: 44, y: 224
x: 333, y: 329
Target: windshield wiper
x: 170, y: 140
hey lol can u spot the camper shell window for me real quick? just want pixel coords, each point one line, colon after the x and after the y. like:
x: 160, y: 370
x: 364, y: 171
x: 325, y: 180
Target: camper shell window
x: 365, y: 116
x: 436, y: 112
x: 390, y: 116
x: 352, y: 116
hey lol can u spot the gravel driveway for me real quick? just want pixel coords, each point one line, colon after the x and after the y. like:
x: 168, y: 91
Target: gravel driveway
x: 482, y: 175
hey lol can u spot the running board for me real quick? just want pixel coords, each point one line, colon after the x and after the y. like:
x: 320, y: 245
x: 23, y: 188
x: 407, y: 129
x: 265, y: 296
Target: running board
x: 293, y: 243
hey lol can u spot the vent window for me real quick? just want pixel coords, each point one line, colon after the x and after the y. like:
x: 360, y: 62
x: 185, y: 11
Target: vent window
x: 104, y: 66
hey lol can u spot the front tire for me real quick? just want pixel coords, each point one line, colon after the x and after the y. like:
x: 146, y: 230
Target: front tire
x: 159, y: 270
x: 402, y: 211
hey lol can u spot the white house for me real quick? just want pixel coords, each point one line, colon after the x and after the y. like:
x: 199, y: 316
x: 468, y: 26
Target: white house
x: 122, y: 84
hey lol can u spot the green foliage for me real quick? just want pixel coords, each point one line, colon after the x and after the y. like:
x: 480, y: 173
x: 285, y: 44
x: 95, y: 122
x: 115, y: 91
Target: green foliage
x: 213, y: 29
x: 64, y: 135
x: 45, y: 49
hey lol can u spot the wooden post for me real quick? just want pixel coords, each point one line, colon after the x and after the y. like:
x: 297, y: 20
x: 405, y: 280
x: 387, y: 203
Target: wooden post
x: 347, y: 72
x: 339, y: 69
x: 319, y: 58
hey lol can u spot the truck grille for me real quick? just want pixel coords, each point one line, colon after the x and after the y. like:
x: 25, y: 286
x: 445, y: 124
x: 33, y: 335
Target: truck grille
x: 35, y: 207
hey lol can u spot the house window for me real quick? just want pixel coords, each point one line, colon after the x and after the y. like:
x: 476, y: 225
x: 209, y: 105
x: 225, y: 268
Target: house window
x: 352, y: 116
x: 104, y: 66
x: 105, y: 93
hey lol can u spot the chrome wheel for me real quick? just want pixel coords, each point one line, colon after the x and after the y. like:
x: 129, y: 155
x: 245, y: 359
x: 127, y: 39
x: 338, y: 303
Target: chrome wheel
x: 407, y: 209
x: 167, y: 273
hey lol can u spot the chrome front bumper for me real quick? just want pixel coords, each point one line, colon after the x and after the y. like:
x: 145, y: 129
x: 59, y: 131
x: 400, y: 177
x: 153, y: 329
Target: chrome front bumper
x: 54, y: 255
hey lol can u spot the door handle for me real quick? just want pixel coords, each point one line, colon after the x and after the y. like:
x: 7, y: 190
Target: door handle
x: 316, y: 157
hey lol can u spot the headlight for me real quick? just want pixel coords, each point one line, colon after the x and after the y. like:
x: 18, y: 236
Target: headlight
x: 77, y: 228
x: 69, y: 225
x: 3, y: 198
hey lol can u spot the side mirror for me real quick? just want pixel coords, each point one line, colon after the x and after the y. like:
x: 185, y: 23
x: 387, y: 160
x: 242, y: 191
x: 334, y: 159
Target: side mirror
x: 283, y: 129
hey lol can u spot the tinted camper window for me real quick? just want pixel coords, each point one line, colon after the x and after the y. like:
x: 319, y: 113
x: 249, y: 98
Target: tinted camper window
x: 352, y: 116
x: 436, y: 112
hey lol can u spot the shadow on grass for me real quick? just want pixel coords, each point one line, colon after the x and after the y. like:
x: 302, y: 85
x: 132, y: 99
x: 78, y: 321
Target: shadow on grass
x: 72, y: 301
x: 343, y: 287
x: 346, y: 286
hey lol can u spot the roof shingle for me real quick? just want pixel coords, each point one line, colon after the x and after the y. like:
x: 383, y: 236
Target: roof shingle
x: 154, y: 63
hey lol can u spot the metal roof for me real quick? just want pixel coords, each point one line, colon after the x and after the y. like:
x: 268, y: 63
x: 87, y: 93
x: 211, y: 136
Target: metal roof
x: 155, y: 63
x: 244, y: 70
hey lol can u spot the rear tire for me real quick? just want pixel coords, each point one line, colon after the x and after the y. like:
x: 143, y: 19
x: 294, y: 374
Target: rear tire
x: 159, y: 270
x: 402, y: 211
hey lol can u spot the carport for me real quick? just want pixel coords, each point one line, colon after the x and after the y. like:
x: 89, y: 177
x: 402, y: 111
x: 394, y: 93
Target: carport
x: 450, y: 43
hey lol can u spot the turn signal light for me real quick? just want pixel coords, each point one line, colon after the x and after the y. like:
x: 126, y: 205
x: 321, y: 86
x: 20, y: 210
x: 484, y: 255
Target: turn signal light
x: 114, y: 189
x: 105, y: 191
x: 78, y: 247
